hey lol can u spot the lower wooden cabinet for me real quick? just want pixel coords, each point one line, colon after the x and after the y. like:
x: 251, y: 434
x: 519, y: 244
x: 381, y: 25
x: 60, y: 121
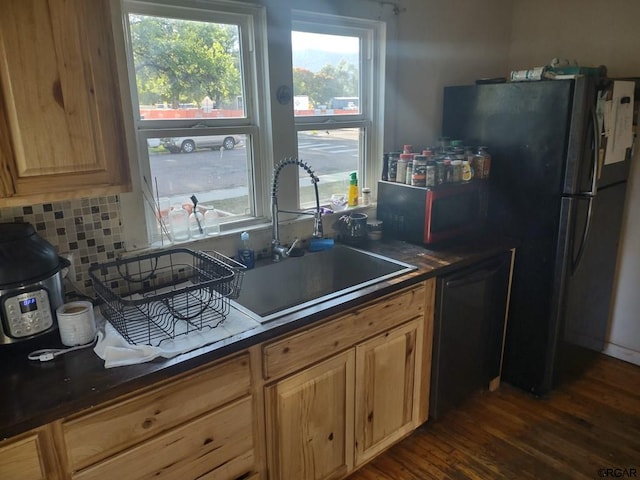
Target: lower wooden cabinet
x: 387, y: 399
x: 29, y: 457
x: 199, y: 426
x: 339, y: 412
x: 309, y: 418
x: 311, y: 405
x: 216, y: 445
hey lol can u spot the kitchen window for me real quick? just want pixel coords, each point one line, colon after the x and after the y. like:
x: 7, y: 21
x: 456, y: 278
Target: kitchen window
x: 198, y: 75
x: 337, y: 83
x: 195, y: 74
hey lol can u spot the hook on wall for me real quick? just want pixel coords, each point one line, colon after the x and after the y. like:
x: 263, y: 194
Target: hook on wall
x: 395, y: 7
x: 283, y: 94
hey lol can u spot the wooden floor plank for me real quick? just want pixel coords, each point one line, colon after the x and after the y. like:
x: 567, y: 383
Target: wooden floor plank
x: 583, y: 426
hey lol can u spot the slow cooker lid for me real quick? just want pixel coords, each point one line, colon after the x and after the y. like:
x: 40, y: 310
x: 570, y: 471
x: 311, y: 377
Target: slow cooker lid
x: 24, y: 255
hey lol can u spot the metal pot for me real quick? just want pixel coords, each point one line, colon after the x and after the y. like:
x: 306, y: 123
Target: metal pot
x: 353, y: 228
x: 30, y: 284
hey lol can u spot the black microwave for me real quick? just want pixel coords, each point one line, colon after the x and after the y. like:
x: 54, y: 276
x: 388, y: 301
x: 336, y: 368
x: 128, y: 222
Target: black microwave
x: 430, y: 215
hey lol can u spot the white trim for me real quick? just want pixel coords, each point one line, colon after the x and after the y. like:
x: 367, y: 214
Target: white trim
x: 370, y: 120
x: 272, y: 126
x: 622, y: 353
x: 251, y: 21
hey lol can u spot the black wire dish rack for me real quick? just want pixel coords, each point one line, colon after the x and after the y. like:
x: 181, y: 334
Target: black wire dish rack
x: 157, y: 297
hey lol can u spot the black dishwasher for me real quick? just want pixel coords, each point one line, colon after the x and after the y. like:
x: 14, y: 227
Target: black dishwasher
x: 471, y: 306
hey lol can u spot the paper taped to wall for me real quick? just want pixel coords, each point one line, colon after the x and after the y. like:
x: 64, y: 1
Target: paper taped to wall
x: 618, y: 122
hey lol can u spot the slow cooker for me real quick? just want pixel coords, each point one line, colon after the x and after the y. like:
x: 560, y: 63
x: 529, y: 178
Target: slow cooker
x: 30, y: 284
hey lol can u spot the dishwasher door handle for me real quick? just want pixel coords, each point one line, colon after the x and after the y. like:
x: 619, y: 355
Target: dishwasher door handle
x: 473, y: 276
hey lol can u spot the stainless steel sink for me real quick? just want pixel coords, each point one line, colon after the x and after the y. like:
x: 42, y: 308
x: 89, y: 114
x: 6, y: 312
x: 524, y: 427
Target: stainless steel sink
x: 272, y: 290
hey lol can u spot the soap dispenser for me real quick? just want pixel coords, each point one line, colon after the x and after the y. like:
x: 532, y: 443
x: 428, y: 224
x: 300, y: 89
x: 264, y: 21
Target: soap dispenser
x: 352, y: 197
x: 246, y: 256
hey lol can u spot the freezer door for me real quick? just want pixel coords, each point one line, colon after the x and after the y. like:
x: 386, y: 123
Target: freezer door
x: 590, y: 266
x: 526, y: 127
x: 582, y: 142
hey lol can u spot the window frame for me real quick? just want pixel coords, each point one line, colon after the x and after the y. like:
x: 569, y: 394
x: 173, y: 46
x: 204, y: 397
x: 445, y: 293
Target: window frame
x: 139, y: 222
x: 370, y: 118
x: 272, y: 120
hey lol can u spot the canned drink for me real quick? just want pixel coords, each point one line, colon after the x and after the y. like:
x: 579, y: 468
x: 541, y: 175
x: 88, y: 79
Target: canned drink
x: 393, y: 166
x: 385, y: 166
x: 430, y: 174
x: 486, y: 166
x: 419, y: 176
x: 448, y: 171
x: 409, y: 175
x: 456, y: 168
x: 401, y: 173
x: 440, y: 175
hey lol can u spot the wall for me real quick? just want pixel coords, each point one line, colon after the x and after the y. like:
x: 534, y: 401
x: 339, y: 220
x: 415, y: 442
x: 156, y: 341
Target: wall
x: 438, y: 44
x: 430, y: 44
x: 88, y: 228
x: 589, y: 31
x: 593, y: 33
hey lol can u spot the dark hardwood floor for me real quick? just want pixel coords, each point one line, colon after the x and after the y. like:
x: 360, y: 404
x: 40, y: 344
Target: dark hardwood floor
x: 587, y: 429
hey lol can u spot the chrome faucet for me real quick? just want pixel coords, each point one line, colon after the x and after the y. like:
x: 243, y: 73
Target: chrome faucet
x: 278, y: 251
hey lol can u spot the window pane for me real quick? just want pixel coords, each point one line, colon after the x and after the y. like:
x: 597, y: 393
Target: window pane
x: 333, y: 155
x: 326, y: 74
x: 186, y: 69
x: 202, y: 166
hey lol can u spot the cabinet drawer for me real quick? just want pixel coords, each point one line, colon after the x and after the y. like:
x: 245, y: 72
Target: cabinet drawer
x: 94, y: 436
x: 301, y: 349
x: 217, y: 445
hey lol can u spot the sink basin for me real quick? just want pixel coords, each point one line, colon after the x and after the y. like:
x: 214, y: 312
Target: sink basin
x: 272, y: 290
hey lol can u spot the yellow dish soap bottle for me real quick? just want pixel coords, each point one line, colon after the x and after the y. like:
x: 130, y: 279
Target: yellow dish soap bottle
x: 352, y: 197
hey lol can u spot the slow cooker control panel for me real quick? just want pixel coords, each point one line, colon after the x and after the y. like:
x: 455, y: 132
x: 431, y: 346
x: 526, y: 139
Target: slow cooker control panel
x: 27, y: 314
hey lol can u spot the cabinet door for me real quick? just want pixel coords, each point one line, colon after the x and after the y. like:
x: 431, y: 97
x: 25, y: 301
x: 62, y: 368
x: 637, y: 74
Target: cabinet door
x: 386, y: 389
x: 60, y: 100
x: 310, y: 421
x: 29, y: 457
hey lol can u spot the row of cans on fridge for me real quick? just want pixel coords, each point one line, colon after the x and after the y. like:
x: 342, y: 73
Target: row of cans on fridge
x: 431, y: 168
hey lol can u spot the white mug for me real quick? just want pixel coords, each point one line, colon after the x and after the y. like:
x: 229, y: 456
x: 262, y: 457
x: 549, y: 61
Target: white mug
x: 76, y: 323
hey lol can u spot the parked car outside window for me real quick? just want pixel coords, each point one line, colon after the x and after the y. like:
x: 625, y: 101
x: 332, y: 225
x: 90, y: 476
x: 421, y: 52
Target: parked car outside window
x: 191, y: 144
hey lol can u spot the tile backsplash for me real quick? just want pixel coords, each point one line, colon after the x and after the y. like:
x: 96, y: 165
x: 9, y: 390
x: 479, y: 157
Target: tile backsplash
x: 88, y: 228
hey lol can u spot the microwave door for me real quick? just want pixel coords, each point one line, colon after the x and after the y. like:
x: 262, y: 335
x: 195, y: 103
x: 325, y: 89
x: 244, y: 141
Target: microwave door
x: 455, y: 211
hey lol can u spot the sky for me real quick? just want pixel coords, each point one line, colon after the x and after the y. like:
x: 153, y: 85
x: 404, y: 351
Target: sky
x: 318, y: 41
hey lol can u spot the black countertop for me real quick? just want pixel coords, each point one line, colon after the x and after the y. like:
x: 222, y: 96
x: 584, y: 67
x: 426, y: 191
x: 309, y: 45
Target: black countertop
x: 35, y: 393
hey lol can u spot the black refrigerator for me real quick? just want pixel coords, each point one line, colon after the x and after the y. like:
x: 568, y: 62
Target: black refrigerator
x: 550, y: 189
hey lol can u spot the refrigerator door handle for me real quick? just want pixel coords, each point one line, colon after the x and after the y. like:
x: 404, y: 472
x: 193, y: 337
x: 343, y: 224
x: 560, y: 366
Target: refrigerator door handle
x: 585, y: 234
x: 596, y: 153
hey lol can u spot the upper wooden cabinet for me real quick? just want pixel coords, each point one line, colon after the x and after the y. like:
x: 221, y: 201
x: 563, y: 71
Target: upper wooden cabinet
x: 61, y: 121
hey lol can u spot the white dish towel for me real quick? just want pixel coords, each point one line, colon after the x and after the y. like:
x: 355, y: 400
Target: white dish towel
x: 117, y: 352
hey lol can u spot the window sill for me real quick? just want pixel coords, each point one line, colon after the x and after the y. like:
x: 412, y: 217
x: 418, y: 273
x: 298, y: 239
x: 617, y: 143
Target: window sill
x: 292, y: 228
